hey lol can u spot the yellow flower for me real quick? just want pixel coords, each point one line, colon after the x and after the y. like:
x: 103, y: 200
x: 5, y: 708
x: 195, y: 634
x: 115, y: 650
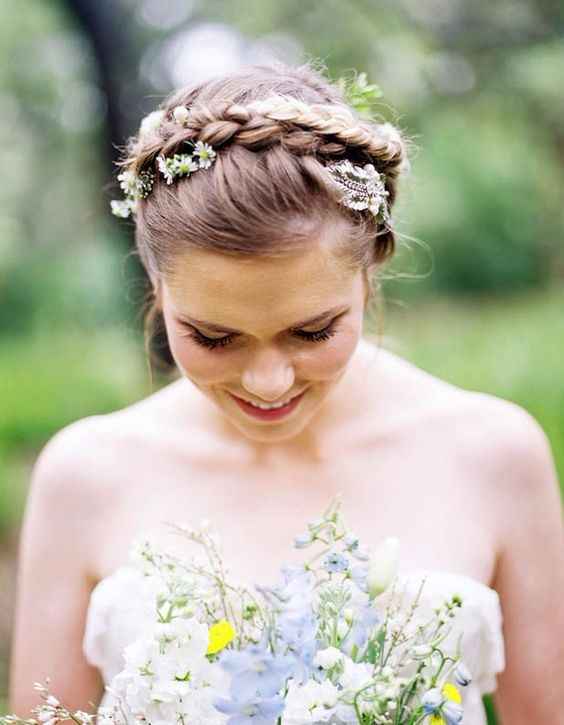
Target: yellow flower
x: 220, y: 634
x: 451, y: 693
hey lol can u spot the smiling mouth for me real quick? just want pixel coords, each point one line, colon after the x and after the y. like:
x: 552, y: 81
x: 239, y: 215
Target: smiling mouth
x: 269, y: 406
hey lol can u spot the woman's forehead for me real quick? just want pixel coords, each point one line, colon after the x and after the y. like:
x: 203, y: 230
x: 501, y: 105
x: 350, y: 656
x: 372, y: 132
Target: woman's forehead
x: 314, y: 271
x: 260, y: 299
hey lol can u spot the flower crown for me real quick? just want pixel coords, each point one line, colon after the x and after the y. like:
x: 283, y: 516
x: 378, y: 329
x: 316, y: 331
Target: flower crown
x: 362, y: 187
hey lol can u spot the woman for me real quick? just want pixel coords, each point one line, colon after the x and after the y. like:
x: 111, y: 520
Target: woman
x: 260, y: 247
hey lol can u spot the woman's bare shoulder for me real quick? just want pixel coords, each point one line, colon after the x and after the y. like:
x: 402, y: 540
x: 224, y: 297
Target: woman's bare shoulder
x: 486, y: 424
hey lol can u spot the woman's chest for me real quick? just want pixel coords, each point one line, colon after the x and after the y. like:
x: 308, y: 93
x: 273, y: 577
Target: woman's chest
x: 407, y: 490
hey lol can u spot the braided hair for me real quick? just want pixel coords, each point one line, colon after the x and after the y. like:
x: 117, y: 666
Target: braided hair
x: 275, y: 128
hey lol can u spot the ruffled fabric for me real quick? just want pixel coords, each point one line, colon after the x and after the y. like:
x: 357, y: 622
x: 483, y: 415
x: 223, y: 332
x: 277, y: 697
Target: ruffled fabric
x: 121, y: 606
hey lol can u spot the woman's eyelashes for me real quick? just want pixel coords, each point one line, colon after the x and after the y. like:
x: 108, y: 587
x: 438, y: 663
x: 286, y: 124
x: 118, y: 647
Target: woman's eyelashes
x: 212, y: 342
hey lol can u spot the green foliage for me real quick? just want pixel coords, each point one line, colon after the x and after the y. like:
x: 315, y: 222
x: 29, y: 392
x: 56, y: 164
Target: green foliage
x: 359, y: 93
x: 51, y: 379
x: 478, y: 201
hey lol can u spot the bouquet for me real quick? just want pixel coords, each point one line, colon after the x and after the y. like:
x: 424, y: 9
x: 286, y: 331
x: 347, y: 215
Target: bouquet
x: 331, y: 643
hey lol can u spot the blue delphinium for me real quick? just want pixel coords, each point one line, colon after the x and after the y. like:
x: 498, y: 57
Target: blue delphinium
x: 251, y: 710
x: 366, y: 617
x: 257, y: 676
x: 255, y: 670
x: 296, y: 626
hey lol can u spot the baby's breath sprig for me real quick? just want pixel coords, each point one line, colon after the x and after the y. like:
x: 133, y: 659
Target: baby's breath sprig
x: 52, y: 712
x: 135, y: 187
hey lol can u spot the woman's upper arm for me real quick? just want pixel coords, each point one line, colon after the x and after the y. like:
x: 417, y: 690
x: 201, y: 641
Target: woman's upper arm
x: 53, y: 581
x: 530, y: 577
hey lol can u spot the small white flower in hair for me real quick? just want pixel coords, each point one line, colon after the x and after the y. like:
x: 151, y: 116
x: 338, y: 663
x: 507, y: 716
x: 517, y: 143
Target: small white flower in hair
x: 164, y: 168
x: 151, y: 122
x: 180, y: 114
x: 205, y: 153
x: 122, y: 208
x: 128, y: 181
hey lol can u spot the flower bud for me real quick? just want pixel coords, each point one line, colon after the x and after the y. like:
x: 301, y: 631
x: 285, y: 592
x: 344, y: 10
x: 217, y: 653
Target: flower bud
x: 422, y: 650
x: 348, y: 614
x: 151, y: 122
x: 303, y: 540
x: 462, y: 674
x: 382, y: 566
x: 180, y: 114
x: 432, y: 700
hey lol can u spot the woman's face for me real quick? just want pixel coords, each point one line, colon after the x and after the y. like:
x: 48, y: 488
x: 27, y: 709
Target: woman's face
x: 244, y: 330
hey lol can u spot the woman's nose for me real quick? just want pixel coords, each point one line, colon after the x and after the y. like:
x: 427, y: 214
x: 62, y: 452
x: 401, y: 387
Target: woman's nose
x: 268, y: 376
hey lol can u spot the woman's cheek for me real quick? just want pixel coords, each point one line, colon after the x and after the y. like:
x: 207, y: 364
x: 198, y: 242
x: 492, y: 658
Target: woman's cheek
x: 196, y: 361
x: 325, y: 360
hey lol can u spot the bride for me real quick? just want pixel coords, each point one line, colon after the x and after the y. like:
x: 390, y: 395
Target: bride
x: 260, y: 248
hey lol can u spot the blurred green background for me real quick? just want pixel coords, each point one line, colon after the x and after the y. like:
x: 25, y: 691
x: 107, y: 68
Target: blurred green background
x: 477, y: 297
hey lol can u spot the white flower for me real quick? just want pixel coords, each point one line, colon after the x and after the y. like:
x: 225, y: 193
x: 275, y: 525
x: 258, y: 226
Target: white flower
x: 122, y: 207
x: 327, y: 658
x: 355, y: 675
x: 164, y: 168
x: 382, y: 566
x: 140, y: 652
x: 180, y: 114
x: 45, y: 715
x: 184, y: 165
x: 150, y: 123
x: 128, y: 181
x: 205, y: 153
x: 312, y: 702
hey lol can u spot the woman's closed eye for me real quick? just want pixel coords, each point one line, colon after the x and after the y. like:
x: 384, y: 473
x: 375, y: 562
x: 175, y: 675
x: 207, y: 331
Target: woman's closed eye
x: 211, y: 342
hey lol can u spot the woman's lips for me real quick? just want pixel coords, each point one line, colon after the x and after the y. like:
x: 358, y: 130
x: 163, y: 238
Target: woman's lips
x: 273, y: 413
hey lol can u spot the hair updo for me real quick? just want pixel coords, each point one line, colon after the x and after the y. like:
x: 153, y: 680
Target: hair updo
x: 268, y: 192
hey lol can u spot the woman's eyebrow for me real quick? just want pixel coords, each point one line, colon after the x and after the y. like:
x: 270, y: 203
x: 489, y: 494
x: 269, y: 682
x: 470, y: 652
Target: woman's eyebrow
x: 302, y: 323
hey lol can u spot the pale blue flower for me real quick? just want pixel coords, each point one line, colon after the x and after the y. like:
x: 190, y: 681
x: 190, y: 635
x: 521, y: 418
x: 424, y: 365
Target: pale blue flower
x: 452, y: 712
x: 432, y: 700
x: 336, y: 562
x: 255, y: 670
x: 251, y: 710
x: 303, y: 540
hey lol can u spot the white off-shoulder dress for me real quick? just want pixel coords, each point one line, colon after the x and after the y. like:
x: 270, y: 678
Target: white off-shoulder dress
x: 121, y: 606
